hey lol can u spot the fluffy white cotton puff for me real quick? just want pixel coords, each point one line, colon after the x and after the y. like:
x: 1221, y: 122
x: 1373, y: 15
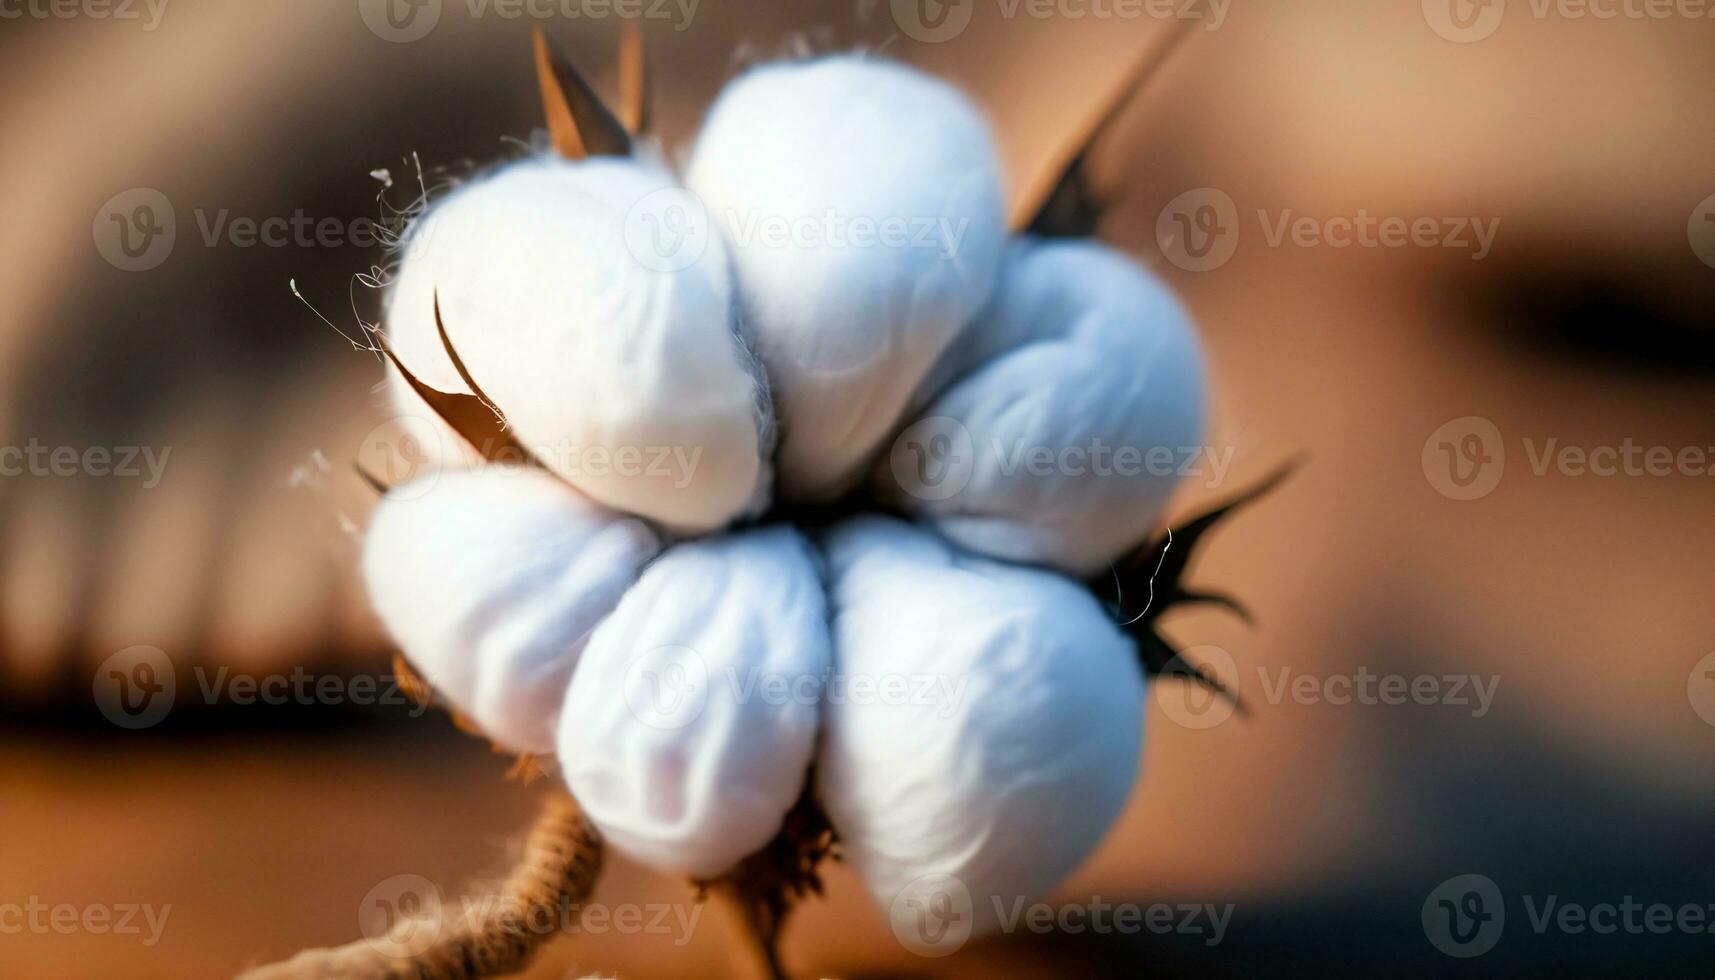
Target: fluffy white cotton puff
x: 620, y: 367
x: 691, y: 720
x: 863, y: 204
x: 491, y: 581
x: 1010, y: 774
x: 1057, y: 424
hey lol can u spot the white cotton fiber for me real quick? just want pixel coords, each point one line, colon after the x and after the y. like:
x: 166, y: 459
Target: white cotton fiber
x: 691, y: 720
x: 1055, y: 428
x: 491, y: 581
x: 1004, y: 777
x: 804, y: 166
x: 619, y: 365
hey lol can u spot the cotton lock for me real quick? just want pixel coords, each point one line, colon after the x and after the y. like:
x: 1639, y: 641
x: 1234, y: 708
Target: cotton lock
x: 1005, y: 785
x: 1054, y: 428
x: 862, y: 236
x: 492, y: 581
x: 692, y: 718
x: 585, y: 341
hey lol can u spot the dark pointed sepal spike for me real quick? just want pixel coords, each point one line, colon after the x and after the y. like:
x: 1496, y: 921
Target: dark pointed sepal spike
x: 1220, y: 599
x: 1155, y: 571
x: 469, y: 416
x: 1190, y: 533
x: 458, y: 363
x: 636, y: 93
x: 579, y: 123
x: 1070, y: 208
x: 1159, y: 659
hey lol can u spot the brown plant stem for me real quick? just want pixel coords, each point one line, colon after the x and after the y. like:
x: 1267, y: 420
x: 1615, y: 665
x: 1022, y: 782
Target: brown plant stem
x: 757, y: 953
x: 496, y: 936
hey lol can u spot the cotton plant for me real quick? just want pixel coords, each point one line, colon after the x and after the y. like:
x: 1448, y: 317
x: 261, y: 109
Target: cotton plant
x: 683, y: 645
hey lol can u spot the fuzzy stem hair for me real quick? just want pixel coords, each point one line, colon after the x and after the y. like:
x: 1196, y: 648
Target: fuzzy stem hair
x: 562, y: 859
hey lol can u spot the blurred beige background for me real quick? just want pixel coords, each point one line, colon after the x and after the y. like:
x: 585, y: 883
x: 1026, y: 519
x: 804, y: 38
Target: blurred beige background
x: 1584, y: 597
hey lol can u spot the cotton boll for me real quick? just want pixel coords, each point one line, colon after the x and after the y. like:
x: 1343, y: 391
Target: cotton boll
x: 1056, y: 426
x: 491, y: 581
x: 863, y: 203
x: 692, y: 718
x: 615, y: 362
x: 1001, y: 783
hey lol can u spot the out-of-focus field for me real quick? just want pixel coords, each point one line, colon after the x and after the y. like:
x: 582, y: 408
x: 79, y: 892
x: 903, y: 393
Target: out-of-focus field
x: 1325, y: 826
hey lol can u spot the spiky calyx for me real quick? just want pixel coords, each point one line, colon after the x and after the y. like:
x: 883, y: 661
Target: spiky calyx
x: 1150, y: 581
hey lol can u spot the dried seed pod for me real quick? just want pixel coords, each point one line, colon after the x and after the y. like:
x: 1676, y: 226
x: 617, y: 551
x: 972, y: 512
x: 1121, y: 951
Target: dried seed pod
x: 1054, y: 429
x: 491, y: 581
x: 863, y: 203
x: 620, y: 368
x: 692, y: 717
x: 1002, y: 780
